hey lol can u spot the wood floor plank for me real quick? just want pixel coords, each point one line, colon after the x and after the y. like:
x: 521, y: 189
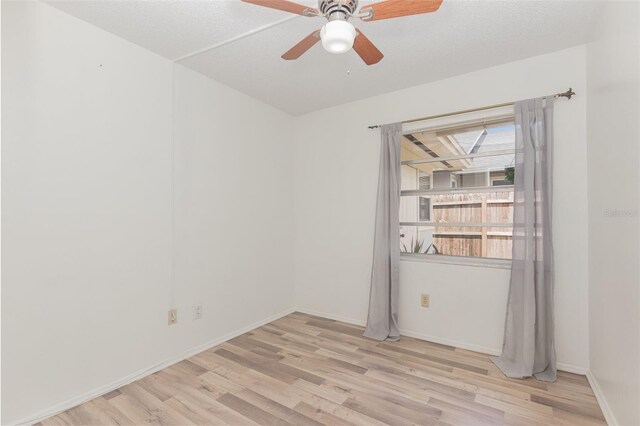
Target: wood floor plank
x: 111, y: 394
x: 435, y: 359
x: 285, y: 413
x: 99, y: 411
x: 264, y: 368
x: 320, y: 416
x: 369, y: 408
x: 61, y: 419
x: 142, y: 407
x: 576, y: 419
x: 327, y: 390
x: 307, y: 370
x: 211, y: 360
x: 382, y: 355
x: 108, y: 411
x: 249, y: 340
x: 336, y: 326
x: 221, y: 382
x: 347, y: 414
x: 470, y: 411
x: 250, y: 411
x: 570, y: 406
x: 194, y: 412
x: 274, y: 368
x: 262, y: 384
x: 524, y: 411
x: 282, y: 341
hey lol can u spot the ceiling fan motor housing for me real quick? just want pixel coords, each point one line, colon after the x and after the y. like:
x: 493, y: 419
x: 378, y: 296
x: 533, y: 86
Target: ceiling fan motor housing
x: 337, y: 9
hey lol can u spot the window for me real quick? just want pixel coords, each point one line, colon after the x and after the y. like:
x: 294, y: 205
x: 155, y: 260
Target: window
x: 457, y: 186
x: 502, y: 178
x: 425, y: 209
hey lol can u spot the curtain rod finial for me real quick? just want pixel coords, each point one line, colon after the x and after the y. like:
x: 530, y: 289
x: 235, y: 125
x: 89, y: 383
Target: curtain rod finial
x: 568, y: 94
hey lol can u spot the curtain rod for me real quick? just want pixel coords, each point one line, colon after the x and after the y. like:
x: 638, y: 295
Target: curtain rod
x: 568, y: 94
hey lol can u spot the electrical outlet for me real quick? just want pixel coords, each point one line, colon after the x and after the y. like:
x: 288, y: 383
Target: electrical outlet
x: 424, y: 300
x: 173, y: 316
x: 197, y: 312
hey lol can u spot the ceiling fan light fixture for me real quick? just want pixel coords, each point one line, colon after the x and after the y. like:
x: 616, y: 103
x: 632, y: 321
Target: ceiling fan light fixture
x: 337, y: 36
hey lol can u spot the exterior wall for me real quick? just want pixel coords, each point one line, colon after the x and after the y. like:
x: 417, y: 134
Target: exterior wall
x: 441, y: 180
x: 468, y: 180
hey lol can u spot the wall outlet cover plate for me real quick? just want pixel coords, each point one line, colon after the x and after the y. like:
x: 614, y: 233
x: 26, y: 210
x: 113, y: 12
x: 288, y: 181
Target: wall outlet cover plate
x: 424, y: 300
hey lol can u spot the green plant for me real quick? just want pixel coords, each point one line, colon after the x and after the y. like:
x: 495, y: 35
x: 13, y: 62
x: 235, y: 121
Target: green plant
x: 415, y: 247
x: 510, y: 173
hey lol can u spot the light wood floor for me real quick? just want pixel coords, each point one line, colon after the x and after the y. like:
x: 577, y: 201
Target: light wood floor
x: 306, y: 370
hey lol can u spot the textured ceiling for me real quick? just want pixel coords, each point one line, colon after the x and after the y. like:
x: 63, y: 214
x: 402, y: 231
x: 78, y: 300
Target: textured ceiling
x: 461, y: 37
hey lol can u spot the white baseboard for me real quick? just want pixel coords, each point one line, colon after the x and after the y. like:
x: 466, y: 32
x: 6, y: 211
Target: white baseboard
x: 449, y: 342
x: 331, y: 316
x: 70, y: 403
x: 570, y: 368
x: 455, y: 343
x: 604, y: 406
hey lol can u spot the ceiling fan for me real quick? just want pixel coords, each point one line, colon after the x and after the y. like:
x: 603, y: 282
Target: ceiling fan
x: 338, y: 35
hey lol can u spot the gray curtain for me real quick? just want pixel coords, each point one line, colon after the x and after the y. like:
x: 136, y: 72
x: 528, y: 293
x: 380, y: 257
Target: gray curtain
x: 528, y: 348
x: 382, y: 321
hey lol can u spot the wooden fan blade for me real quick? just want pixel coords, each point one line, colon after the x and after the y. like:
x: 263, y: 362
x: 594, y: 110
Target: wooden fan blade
x: 396, y: 8
x: 366, y: 50
x: 305, y: 44
x: 286, y: 6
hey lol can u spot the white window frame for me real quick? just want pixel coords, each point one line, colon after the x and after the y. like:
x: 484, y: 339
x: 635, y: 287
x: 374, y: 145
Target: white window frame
x: 475, y: 117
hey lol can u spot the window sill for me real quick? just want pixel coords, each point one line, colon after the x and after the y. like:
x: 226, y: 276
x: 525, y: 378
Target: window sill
x: 457, y: 260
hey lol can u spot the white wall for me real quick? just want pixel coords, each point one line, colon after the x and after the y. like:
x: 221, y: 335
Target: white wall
x: 336, y: 167
x: 613, y: 71
x: 233, y: 206
x: 85, y: 206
